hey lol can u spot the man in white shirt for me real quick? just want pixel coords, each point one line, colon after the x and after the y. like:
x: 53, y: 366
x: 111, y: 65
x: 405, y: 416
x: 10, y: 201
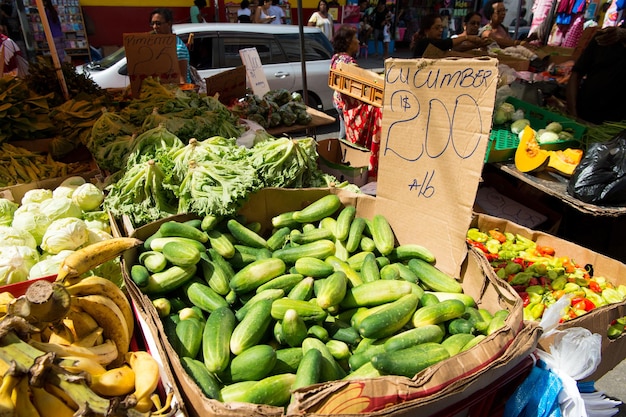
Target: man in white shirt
x: 276, y: 10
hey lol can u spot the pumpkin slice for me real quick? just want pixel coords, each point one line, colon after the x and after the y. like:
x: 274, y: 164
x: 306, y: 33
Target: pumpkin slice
x: 565, y: 161
x: 529, y: 157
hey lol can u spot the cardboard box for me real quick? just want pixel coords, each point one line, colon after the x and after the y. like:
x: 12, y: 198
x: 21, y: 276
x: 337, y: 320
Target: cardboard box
x: 426, y: 190
x: 596, y: 321
x: 344, y: 160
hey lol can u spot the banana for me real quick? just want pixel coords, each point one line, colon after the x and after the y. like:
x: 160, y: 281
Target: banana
x: 94, y: 285
x: 61, y: 395
x: 5, y: 299
x: 78, y: 364
x: 104, y: 353
x: 49, y: 405
x: 114, y: 382
x: 23, y: 403
x: 89, y: 257
x: 144, y: 405
x: 61, y: 335
x: 7, y: 406
x: 110, y: 318
x: 91, y: 339
x: 146, y: 373
x: 82, y: 323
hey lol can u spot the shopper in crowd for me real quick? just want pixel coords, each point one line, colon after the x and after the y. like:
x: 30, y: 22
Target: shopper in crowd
x: 195, y: 12
x: 262, y: 13
x: 55, y: 28
x: 430, y: 33
x: 14, y: 63
x: 596, y: 88
x: 386, y: 36
x: 161, y: 21
x: 276, y: 10
x: 359, y: 122
x: 495, y: 12
x: 244, y: 14
x: 365, y: 28
x: 379, y: 15
x: 471, y: 24
x: 322, y: 19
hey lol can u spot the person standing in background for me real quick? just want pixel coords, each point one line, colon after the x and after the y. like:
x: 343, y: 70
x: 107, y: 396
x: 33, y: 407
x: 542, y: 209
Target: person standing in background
x: 431, y: 31
x: 495, y: 11
x: 262, y: 13
x: 55, y: 29
x: 195, y: 12
x: 471, y: 24
x: 161, y: 21
x: 386, y: 36
x: 276, y: 10
x: 322, y: 19
x: 11, y: 52
x: 381, y: 12
x: 244, y: 14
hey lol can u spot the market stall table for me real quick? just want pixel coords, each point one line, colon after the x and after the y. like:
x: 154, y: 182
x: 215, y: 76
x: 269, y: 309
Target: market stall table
x: 318, y: 119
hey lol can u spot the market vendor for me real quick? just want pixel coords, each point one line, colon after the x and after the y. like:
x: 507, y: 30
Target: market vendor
x: 431, y: 30
x: 495, y: 12
x: 359, y: 122
x: 161, y: 21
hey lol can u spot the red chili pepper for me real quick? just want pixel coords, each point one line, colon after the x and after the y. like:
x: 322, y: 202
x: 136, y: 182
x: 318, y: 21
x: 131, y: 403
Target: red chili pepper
x: 545, y: 250
x: 580, y: 303
x: 518, y: 261
x: 478, y: 245
x: 498, y: 235
x: 524, y: 296
x: 491, y: 256
x: 595, y: 287
x: 544, y: 281
x: 533, y: 281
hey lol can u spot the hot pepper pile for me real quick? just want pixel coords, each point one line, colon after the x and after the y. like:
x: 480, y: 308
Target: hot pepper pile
x: 541, y: 278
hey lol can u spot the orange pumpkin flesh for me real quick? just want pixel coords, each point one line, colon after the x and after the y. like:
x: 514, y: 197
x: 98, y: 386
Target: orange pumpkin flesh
x: 529, y: 157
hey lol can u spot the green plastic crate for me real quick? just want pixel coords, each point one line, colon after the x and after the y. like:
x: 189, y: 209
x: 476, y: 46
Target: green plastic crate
x: 503, y: 143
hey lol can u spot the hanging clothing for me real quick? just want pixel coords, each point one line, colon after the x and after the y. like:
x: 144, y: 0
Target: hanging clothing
x: 574, y: 32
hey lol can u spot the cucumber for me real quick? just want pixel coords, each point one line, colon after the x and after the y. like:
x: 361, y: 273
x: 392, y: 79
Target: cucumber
x: 153, y: 261
x: 354, y: 235
x: 181, y: 254
x: 330, y: 369
x: 278, y: 238
x: 312, y: 236
x: 176, y: 229
x: 389, y: 319
x: 272, y: 390
x: 189, y: 337
x: 338, y: 349
x: 339, y: 265
x: 256, y: 274
x: 365, y: 371
x: 253, y: 364
x: 284, y: 220
x: 410, y: 251
x: 406, y: 273
x: 367, y: 244
x: 316, y: 211
x: 454, y: 343
x: 308, y: 372
x: 293, y: 329
x: 433, y: 278
x: 356, y: 260
x: 221, y: 243
x: 466, y: 299
x: 333, y: 290
x: 344, y: 220
x: 245, y: 235
x: 320, y: 249
x: 342, y: 331
x: 460, y: 325
x: 209, y: 222
x: 251, y: 329
x: 365, y: 355
x: 413, y: 337
x: 203, y: 296
x: 216, y: 335
x: 310, y: 312
x: 390, y: 272
x: 428, y: 299
x: 140, y: 275
x: 214, y: 275
x: 328, y: 223
x: 438, y: 313
x: 157, y: 244
x: 375, y: 293
x: 206, y: 381
x: 369, y: 268
x: 382, y: 234
x: 287, y: 360
x: 408, y: 362
x: 283, y: 282
x: 237, y: 391
x: 313, y: 267
x: 169, y: 279
x: 303, y: 290
x: 269, y: 294
x: 476, y: 340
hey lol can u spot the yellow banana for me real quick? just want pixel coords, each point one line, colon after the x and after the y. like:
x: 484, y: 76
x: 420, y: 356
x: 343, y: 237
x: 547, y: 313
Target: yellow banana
x: 91, y: 339
x: 7, y: 406
x: 61, y: 335
x: 146, y: 373
x: 23, y: 403
x: 5, y: 298
x: 104, y: 353
x: 78, y: 364
x: 114, y: 382
x: 89, y: 257
x: 4, y: 367
x: 110, y: 318
x: 61, y: 395
x: 94, y: 285
x: 49, y: 405
x: 82, y: 323
x: 144, y: 404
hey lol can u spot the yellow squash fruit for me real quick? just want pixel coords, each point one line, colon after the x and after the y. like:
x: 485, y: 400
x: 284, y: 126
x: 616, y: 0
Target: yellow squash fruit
x: 529, y: 157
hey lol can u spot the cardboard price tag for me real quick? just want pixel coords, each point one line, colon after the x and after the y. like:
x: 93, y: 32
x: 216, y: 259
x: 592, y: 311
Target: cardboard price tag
x: 436, y: 124
x: 254, y: 71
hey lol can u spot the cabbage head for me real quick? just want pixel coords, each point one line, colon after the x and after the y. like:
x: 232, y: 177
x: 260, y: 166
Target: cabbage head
x: 68, y: 233
x: 88, y: 197
x: 36, y: 196
x: 97, y: 235
x: 7, y: 209
x: 30, y: 218
x: 48, y: 264
x: 12, y: 236
x: 58, y: 208
x: 16, y: 262
x: 67, y: 187
x: 97, y: 220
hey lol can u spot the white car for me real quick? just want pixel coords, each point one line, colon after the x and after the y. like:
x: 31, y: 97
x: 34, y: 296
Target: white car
x: 216, y: 48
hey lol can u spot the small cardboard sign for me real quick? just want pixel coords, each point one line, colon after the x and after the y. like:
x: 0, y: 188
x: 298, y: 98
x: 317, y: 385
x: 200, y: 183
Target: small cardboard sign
x: 435, y: 131
x: 254, y: 71
x: 230, y: 84
x: 151, y: 55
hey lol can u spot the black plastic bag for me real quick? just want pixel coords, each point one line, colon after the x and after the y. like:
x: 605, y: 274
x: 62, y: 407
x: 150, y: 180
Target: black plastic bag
x: 600, y: 178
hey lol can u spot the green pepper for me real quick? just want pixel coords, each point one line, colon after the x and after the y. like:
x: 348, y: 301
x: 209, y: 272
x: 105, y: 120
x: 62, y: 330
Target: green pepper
x: 537, y: 289
x: 555, y: 273
x: 534, y: 298
x: 521, y: 278
x: 493, y: 245
x: 524, y: 242
x: 559, y: 283
x: 476, y: 235
x: 583, y: 282
x: 501, y: 273
x: 614, y: 331
x: 534, y: 311
x: 512, y: 268
x: 622, y: 289
x: 507, y: 254
x: 596, y: 298
x: 611, y: 295
x: 538, y: 269
x: 571, y: 287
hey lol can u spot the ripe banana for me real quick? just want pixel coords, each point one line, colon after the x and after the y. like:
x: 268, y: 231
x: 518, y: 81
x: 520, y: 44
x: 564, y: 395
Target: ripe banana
x: 23, y: 403
x: 89, y: 257
x: 104, y: 353
x: 61, y: 395
x: 114, y: 382
x: 78, y: 364
x: 49, y: 405
x: 110, y: 318
x: 7, y: 406
x: 94, y: 285
x: 146, y: 373
x: 91, y: 339
x: 82, y: 323
x: 61, y: 335
x: 144, y: 405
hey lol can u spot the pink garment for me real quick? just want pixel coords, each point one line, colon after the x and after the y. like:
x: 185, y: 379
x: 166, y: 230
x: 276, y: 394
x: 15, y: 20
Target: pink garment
x: 541, y: 10
x: 575, y: 32
x: 611, y: 16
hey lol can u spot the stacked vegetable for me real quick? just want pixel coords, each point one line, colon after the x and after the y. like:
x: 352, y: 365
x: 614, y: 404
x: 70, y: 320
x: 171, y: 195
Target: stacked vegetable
x: 275, y: 108
x: 541, y: 278
x: 326, y: 296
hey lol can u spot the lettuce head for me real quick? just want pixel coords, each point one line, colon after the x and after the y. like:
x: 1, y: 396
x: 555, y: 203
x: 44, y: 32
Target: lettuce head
x: 16, y: 262
x: 60, y: 207
x: 7, y: 209
x: 88, y: 197
x: 36, y: 196
x: 30, y: 218
x: 68, y: 233
x: 12, y: 236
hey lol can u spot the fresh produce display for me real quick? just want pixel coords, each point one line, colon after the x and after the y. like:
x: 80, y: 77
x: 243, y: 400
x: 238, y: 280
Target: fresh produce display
x: 541, y: 277
x: 65, y: 346
x: 516, y: 119
x: 47, y: 226
x: 529, y: 157
x: 215, y: 176
x: 275, y: 108
x: 326, y: 296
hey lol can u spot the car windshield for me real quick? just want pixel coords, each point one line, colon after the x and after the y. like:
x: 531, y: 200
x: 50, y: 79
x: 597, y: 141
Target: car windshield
x: 110, y: 60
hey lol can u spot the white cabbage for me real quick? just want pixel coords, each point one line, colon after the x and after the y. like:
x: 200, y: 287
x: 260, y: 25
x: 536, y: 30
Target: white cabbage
x: 67, y: 187
x: 67, y: 233
x: 12, y: 236
x: 16, y: 262
x: 48, y: 265
x: 7, y: 209
x: 97, y: 235
x: 88, y: 197
x: 36, y: 196
x: 58, y: 208
x: 30, y: 218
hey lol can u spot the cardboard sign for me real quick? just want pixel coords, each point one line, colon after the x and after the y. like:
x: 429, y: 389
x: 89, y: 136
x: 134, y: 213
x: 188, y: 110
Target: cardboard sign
x: 230, y: 84
x: 151, y: 55
x: 254, y: 71
x: 435, y: 131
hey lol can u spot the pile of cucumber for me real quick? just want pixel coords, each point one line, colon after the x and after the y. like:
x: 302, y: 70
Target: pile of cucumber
x: 327, y: 296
